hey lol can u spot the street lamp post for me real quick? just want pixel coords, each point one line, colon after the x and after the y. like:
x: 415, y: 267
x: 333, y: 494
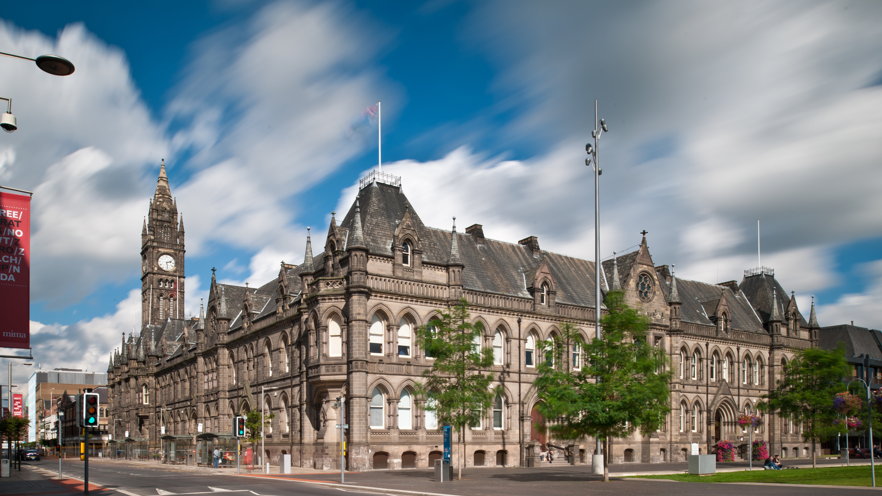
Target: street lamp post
x: 50, y: 64
x: 599, y: 128
x: 870, y: 425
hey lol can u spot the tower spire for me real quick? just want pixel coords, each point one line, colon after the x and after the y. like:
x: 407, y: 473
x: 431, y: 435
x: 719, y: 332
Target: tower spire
x: 616, y: 284
x: 307, y: 255
x: 675, y: 296
x: 774, y: 316
x: 813, y: 319
x: 162, y: 188
x: 356, y: 239
x: 454, y: 246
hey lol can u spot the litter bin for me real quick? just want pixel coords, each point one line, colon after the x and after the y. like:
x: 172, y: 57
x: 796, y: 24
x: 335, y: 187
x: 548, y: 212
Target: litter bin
x: 443, y: 471
x: 4, y: 468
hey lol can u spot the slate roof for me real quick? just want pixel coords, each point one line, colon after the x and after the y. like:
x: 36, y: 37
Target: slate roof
x: 697, y: 296
x: 758, y: 290
x: 624, y: 262
x: 857, y: 340
x: 493, y: 267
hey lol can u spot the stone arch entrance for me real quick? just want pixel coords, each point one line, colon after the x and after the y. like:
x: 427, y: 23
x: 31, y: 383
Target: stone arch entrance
x: 538, y: 429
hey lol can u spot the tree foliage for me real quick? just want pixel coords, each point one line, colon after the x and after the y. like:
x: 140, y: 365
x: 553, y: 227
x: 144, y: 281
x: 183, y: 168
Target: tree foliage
x: 631, y: 392
x: 807, y: 390
x: 457, y: 382
x: 14, y: 428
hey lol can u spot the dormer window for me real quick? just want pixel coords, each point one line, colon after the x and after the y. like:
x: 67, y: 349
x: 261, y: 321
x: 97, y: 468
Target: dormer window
x: 405, y: 254
x: 644, y: 287
x: 543, y: 296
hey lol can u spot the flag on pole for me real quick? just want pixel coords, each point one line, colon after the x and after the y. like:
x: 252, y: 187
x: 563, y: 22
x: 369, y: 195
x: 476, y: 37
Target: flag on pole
x: 364, y: 123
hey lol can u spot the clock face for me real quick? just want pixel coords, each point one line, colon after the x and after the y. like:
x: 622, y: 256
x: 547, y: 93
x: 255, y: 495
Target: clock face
x: 166, y: 262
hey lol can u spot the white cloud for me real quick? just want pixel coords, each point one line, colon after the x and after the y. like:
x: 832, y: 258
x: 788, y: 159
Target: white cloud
x: 860, y: 308
x: 86, y: 343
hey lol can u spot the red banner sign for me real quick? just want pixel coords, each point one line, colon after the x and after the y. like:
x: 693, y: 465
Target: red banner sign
x: 17, y: 408
x: 15, y: 270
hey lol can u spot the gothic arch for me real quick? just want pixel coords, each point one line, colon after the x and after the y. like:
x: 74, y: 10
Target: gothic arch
x: 546, y: 280
x: 409, y: 312
x: 384, y: 311
x: 408, y: 384
x: 384, y: 386
x: 329, y: 312
x: 506, y: 329
x: 481, y: 321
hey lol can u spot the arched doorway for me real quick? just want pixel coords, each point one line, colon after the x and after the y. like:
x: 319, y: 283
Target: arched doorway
x: 718, y: 425
x: 538, y: 430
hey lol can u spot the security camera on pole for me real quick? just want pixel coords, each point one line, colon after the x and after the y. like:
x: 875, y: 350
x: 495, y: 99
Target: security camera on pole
x: 599, y: 128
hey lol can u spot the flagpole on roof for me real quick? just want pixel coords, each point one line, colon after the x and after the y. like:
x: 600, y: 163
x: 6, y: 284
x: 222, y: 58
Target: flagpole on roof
x: 379, y: 136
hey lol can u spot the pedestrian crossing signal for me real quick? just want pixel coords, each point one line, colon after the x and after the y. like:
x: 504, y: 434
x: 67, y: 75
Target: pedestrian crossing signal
x: 239, y: 426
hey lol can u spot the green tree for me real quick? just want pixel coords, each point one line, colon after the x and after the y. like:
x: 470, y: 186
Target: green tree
x: 806, y: 392
x: 632, y: 387
x: 254, y: 420
x: 14, y: 429
x: 457, y: 383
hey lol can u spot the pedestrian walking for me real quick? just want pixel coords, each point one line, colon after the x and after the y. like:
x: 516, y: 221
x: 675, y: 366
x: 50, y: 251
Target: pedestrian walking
x: 216, y: 455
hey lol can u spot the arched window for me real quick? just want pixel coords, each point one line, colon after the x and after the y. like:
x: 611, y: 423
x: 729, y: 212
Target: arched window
x: 530, y: 351
x: 551, y: 351
x: 726, y: 368
x: 497, y: 413
x: 715, y: 359
x: 682, y: 417
x: 377, y: 410
x: 405, y: 337
x: 268, y: 357
x: 682, y: 364
x: 431, y: 414
x: 693, y: 366
x: 406, y: 254
x: 543, y: 297
x: 433, y: 328
x: 335, y: 338
x: 405, y: 420
x: 577, y: 356
x: 268, y: 406
x: 233, y: 366
x: 283, y: 353
x: 145, y: 394
x: 745, y: 367
x: 497, y: 348
x: 757, y: 371
x: 696, y: 415
x: 378, y: 331
x: 476, y: 340
x: 283, y: 416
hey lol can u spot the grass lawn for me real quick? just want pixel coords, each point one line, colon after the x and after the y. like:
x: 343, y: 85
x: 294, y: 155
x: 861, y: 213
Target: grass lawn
x: 832, y: 476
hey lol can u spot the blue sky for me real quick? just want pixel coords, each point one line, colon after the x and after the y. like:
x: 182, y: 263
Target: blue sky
x: 719, y: 114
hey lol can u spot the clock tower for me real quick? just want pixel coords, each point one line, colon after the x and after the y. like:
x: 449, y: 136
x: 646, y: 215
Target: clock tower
x: 162, y: 258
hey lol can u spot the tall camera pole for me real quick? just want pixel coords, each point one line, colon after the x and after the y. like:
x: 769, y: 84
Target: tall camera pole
x: 599, y: 128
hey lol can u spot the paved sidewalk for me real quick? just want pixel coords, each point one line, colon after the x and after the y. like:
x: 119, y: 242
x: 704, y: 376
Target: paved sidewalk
x: 31, y: 481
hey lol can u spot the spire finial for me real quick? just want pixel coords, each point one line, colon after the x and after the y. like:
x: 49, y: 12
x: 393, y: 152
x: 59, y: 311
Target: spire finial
x: 616, y: 283
x: 307, y: 253
x: 813, y: 319
x: 356, y: 238
x: 774, y: 316
x: 453, y: 258
x: 675, y: 296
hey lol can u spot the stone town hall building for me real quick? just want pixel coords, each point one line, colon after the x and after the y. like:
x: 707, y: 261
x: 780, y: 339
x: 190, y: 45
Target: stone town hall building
x: 342, y: 323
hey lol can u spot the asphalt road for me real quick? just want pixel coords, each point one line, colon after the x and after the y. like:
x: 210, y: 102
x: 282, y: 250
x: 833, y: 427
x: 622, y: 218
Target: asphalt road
x: 131, y: 479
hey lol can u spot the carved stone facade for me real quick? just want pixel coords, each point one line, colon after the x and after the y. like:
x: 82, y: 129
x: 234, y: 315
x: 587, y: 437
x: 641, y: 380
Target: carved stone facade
x: 343, y: 322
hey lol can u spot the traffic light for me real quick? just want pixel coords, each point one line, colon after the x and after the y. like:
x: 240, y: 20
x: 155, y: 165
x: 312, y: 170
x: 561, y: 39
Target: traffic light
x: 239, y: 426
x: 90, y: 410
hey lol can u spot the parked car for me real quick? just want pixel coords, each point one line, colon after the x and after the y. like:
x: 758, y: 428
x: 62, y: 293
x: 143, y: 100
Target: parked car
x: 30, y: 454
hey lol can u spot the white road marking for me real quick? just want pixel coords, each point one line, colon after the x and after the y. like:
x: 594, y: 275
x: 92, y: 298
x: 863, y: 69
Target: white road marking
x: 163, y: 492
x: 219, y: 489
